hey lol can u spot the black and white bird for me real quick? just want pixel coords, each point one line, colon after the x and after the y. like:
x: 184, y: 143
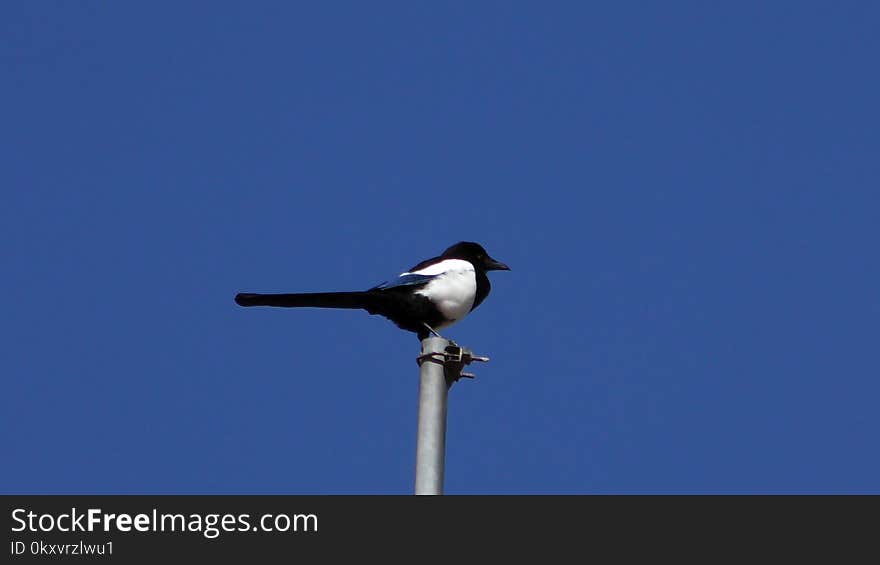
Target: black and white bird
x: 431, y: 296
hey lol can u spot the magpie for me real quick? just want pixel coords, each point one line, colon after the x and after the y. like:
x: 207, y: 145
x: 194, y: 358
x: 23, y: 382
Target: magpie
x: 432, y: 295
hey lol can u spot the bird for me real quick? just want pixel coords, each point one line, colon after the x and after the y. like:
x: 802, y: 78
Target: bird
x: 432, y: 295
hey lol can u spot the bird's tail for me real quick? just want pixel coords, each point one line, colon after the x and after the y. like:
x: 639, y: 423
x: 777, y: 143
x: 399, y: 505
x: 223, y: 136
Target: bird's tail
x: 365, y: 300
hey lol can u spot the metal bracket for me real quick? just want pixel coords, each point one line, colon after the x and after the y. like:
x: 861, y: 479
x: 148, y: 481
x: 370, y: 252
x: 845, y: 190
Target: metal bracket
x: 454, y: 359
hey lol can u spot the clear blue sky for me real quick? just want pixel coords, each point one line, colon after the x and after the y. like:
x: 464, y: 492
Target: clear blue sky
x: 688, y: 195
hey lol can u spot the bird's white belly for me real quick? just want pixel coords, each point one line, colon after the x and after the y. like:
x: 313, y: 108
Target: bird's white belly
x: 453, y: 293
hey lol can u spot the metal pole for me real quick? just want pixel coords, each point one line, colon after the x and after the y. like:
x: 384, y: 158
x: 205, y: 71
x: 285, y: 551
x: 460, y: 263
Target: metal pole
x: 431, y: 441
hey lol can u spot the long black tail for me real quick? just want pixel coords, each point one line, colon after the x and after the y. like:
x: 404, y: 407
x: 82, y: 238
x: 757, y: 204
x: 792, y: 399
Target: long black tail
x: 365, y: 300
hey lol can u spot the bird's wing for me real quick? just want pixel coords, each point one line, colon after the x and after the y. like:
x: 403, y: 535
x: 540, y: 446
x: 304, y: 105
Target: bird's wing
x: 405, y: 280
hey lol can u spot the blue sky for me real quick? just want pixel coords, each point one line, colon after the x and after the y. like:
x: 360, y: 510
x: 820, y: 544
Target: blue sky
x: 687, y: 195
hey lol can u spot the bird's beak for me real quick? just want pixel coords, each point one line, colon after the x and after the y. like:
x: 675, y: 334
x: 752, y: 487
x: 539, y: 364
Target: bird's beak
x: 493, y: 265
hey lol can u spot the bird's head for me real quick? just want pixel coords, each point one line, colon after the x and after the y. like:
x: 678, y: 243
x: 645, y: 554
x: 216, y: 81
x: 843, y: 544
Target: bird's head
x: 475, y: 254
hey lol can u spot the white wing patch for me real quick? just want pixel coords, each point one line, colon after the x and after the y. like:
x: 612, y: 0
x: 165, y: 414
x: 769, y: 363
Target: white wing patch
x: 454, y: 288
x: 443, y: 266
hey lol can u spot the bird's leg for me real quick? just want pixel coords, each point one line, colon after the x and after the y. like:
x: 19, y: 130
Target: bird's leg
x: 434, y: 332
x: 430, y: 329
